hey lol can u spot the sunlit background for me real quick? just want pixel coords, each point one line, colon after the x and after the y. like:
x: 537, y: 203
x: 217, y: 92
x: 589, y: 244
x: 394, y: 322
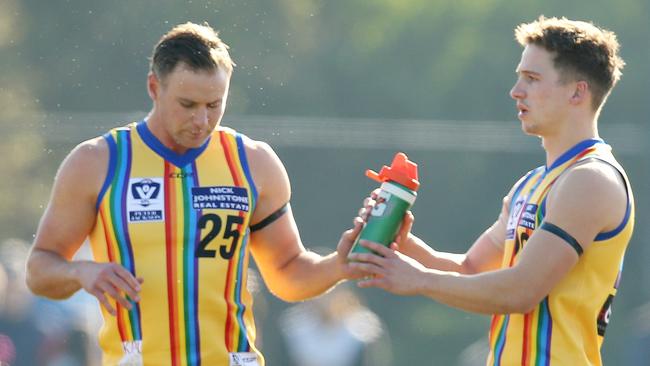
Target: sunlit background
x: 335, y: 87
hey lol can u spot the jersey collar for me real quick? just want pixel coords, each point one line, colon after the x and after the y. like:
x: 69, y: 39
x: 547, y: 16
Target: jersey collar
x: 180, y: 160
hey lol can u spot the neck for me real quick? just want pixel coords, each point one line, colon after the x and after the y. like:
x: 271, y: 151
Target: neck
x: 571, y: 134
x: 156, y: 127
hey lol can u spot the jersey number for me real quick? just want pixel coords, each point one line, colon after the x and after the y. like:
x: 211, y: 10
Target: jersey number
x: 230, y: 231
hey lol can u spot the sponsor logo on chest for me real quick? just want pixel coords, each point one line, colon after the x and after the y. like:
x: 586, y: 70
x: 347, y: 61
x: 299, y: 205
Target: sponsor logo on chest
x: 528, y: 216
x: 523, y: 214
x: 145, y: 201
x: 222, y: 197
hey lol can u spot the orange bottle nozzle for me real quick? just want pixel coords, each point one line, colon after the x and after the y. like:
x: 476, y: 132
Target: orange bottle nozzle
x: 401, y: 170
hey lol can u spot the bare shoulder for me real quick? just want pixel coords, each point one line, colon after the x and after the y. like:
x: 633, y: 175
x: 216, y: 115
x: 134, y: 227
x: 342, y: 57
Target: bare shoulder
x: 91, y: 150
x: 596, y: 178
x: 260, y: 152
x: 269, y: 176
x: 593, y: 189
x: 86, y: 166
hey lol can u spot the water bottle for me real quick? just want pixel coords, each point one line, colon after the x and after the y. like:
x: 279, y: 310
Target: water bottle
x: 399, y: 184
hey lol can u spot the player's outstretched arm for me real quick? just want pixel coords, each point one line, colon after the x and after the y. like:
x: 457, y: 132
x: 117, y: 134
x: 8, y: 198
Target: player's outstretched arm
x: 67, y: 221
x: 589, y: 199
x: 485, y: 254
x: 289, y: 270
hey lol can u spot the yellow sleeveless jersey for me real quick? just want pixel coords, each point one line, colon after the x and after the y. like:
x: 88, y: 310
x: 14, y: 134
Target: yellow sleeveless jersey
x: 568, y: 326
x: 180, y: 222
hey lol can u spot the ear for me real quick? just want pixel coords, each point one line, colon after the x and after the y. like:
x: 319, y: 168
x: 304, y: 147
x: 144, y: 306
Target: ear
x: 581, y: 93
x: 153, y: 86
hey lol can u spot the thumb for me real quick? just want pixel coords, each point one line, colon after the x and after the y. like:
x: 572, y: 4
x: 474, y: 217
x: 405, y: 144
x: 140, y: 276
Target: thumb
x: 349, y: 236
x: 356, y: 229
x: 405, y: 228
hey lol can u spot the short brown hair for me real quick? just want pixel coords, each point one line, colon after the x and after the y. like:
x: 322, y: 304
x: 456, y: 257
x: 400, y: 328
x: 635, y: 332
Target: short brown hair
x: 582, y: 51
x: 197, y: 46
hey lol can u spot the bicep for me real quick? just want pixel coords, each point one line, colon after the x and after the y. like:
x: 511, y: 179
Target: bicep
x: 277, y: 243
x: 274, y: 246
x: 70, y: 214
x: 544, y: 261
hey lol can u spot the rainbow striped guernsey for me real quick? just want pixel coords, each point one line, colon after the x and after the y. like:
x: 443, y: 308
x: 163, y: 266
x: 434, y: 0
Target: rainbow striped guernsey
x: 568, y: 326
x: 181, y: 223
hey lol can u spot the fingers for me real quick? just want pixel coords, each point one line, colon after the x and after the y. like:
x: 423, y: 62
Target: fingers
x: 103, y: 300
x: 122, y: 285
x: 107, y: 288
x: 378, y: 248
x: 371, y: 282
x: 368, y: 268
x: 368, y: 204
x: 110, y: 282
x: 126, y: 282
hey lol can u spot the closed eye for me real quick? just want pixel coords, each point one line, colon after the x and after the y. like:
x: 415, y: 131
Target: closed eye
x: 187, y: 104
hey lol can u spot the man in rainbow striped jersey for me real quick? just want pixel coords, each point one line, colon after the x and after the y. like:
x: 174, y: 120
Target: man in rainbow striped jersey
x: 174, y: 205
x: 547, y: 270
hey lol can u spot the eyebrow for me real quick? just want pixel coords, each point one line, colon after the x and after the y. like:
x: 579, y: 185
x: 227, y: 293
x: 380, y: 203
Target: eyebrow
x: 527, y: 72
x: 185, y: 100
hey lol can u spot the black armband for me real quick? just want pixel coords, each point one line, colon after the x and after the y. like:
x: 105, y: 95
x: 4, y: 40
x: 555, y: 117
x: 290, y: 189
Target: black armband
x: 270, y: 218
x: 563, y: 235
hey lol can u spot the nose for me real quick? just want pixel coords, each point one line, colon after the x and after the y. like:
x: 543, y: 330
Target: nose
x: 517, y: 91
x: 200, y: 117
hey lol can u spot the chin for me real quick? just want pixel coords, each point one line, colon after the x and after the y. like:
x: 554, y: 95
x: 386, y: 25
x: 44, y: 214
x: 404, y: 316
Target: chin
x: 529, y: 128
x: 194, y: 144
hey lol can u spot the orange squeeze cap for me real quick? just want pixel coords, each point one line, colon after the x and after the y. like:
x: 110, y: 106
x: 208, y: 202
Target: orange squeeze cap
x: 401, y: 170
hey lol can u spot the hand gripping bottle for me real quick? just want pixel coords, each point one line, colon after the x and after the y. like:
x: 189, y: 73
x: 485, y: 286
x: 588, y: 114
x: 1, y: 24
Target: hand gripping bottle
x: 399, y: 184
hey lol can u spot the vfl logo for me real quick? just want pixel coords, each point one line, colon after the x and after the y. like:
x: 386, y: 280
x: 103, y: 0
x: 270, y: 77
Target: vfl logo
x: 144, y: 201
x: 145, y: 191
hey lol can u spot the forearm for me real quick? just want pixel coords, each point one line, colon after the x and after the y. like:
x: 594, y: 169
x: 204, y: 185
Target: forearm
x: 50, y: 275
x: 417, y: 249
x: 496, y: 292
x: 307, y: 275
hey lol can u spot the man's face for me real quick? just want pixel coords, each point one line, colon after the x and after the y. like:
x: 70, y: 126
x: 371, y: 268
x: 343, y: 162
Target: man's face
x: 191, y: 104
x: 542, y: 99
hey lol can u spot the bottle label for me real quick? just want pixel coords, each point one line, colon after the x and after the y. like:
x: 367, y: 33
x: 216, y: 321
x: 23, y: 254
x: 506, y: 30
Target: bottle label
x: 399, y: 192
x: 386, y: 216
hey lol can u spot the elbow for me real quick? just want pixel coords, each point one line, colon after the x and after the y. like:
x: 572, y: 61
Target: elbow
x: 32, y: 280
x: 289, y: 298
x: 287, y: 295
x: 522, y: 302
x: 38, y: 282
x: 30, y: 275
x: 33, y: 284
